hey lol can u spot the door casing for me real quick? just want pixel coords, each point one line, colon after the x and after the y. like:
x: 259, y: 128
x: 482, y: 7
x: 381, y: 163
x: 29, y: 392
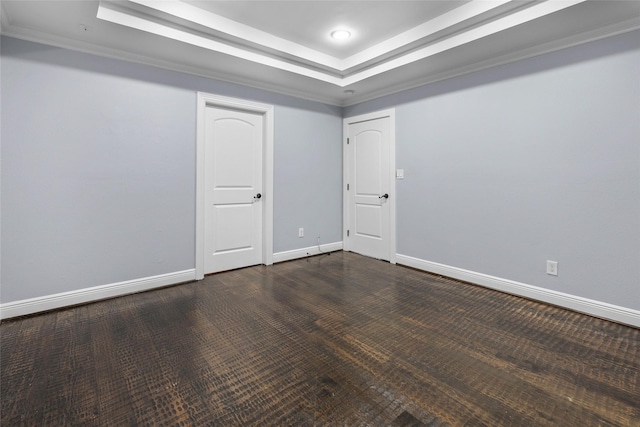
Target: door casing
x: 204, y: 101
x: 391, y: 178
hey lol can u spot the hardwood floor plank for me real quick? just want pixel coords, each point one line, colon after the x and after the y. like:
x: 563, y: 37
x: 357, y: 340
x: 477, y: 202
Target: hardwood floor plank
x: 26, y: 361
x: 339, y: 340
x: 111, y: 382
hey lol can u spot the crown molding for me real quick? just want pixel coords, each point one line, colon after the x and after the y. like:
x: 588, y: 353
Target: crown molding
x: 36, y: 36
x: 11, y: 30
x: 114, y: 13
x: 537, y: 50
x: 431, y: 27
x: 219, y: 24
x: 5, y: 20
x: 179, y: 18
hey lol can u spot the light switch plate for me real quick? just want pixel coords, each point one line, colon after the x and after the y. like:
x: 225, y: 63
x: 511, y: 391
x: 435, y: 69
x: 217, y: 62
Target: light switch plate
x: 399, y: 173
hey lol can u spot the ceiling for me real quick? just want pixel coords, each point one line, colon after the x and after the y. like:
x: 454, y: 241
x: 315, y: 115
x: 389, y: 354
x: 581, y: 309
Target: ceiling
x: 285, y: 46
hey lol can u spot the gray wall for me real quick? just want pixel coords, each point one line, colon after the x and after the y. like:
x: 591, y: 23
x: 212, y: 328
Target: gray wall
x: 308, y: 177
x: 98, y: 169
x: 505, y: 168
x: 532, y: 161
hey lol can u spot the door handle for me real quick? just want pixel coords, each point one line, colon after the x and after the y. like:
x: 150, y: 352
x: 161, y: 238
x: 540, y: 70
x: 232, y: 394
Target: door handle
x: 384, y: 196
x: 257, y: 196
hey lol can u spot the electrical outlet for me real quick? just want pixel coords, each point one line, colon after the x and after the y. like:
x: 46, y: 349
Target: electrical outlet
x: 300, y: 232
x: 552, y: 268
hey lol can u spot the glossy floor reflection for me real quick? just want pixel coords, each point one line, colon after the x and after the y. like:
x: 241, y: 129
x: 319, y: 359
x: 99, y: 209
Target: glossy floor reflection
x: 333, y: 340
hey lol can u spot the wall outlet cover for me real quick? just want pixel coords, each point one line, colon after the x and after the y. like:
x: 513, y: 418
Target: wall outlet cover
x: 552, y: 268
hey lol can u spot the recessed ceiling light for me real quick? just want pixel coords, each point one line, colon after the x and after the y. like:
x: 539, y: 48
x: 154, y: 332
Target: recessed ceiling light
x: 340, y: 34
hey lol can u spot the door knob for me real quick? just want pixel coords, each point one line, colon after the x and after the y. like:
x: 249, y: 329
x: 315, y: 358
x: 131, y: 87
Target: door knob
x: 384, y: 196
x: 257, y: 196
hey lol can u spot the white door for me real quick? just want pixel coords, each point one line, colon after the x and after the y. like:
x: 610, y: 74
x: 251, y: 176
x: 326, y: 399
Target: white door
x: 233, y: 189
x: 368, y: 174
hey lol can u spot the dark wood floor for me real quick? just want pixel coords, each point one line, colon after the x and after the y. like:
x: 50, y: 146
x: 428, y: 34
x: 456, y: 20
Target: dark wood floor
x: 337, y: 340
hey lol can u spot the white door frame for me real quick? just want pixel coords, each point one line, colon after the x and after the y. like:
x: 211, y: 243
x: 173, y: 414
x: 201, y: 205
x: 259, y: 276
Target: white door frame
x: 206, y: 100
x: 391, y: 113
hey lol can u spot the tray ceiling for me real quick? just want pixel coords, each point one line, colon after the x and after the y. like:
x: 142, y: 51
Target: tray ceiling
x: 286, y: 46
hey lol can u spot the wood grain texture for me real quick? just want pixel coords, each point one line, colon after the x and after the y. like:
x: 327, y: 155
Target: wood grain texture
x: 339, y: 340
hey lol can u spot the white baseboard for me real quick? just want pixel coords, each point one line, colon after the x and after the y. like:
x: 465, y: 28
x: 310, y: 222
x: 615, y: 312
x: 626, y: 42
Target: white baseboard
x: 304, y: 252
x: 81, y: 296
x: 603, y: 310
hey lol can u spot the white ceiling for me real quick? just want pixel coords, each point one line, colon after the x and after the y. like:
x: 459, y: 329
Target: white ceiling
x: 285, y: 45
x: 310, y: 23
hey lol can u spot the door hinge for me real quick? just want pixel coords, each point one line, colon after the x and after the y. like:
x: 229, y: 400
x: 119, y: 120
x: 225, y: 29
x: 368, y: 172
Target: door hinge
x: 347, y: 141
x: 347, y: 233
x: 347, y: 187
